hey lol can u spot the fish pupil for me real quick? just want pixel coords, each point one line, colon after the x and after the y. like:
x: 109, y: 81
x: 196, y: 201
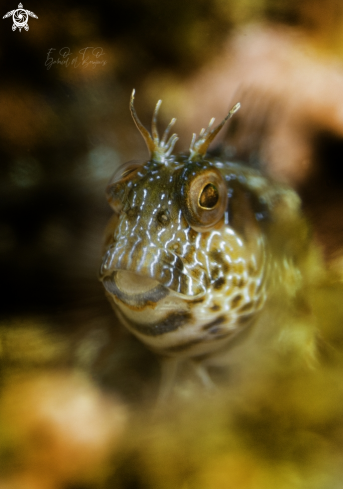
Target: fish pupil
x: 209, y: 196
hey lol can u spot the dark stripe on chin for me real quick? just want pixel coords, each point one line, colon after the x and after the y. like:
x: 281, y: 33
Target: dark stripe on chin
x: 172, y: 322
x: 153, y: 295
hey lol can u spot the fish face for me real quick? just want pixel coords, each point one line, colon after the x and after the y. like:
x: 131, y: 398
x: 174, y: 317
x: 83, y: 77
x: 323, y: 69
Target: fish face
x: 188, y: 261
x: 174, y: 264
x: 151, y: 230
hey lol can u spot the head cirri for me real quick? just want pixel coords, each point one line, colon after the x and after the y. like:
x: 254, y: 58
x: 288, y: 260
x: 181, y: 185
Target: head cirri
x: 187, y: 259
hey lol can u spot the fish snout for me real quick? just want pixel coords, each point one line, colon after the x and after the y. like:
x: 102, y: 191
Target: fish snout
x: 147, y: 271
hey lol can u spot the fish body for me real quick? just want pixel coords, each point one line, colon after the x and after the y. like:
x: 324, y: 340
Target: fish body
x: 196, y: 246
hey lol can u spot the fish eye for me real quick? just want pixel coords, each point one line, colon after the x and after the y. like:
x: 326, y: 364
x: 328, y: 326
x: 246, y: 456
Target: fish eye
x: 209, y: 196
x: 204, y: 197
x: 117, y: 187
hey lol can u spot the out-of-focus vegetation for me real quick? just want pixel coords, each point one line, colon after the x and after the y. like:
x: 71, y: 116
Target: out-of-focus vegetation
x: 77, y: 393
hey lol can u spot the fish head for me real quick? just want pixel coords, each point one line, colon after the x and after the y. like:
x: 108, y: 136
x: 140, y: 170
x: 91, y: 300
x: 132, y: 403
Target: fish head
x: 187, y: 249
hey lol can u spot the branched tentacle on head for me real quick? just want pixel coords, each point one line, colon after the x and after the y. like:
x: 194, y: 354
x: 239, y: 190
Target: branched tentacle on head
x: 160, y: 149
x: 199, y: 145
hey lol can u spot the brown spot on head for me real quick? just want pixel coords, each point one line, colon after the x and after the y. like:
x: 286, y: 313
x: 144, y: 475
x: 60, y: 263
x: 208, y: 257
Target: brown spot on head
x: 216, y: 322
x: 189, y: 257
x: 215, y: 273
x: 236, y: 301
x: 246, y: 307
x: 204, y: 237
x: 246, y: 319
x: 219, y: 258
x: 238, y: 268
x: 215, y: 308
x: 196, y: 273
x: 173, y: 260
x: 239, y: 282
x: 218, y: 284
x: 216, y: 256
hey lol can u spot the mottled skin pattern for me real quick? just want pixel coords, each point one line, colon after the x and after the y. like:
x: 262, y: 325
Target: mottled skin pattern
x: 187, y: 292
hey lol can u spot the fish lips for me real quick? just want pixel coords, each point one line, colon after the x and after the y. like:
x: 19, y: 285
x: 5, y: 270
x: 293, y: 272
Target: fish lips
x: 158, y: 272
x: 114, y: 285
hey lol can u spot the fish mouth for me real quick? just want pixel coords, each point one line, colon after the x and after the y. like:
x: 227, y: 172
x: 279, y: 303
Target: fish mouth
x: 133, y: 289
x: 149, y: 276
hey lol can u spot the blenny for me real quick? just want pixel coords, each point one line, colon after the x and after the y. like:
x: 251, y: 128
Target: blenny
x: 196, y: 246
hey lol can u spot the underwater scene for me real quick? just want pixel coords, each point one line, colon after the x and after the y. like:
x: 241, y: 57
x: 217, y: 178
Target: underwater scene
x: 171, y: 244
